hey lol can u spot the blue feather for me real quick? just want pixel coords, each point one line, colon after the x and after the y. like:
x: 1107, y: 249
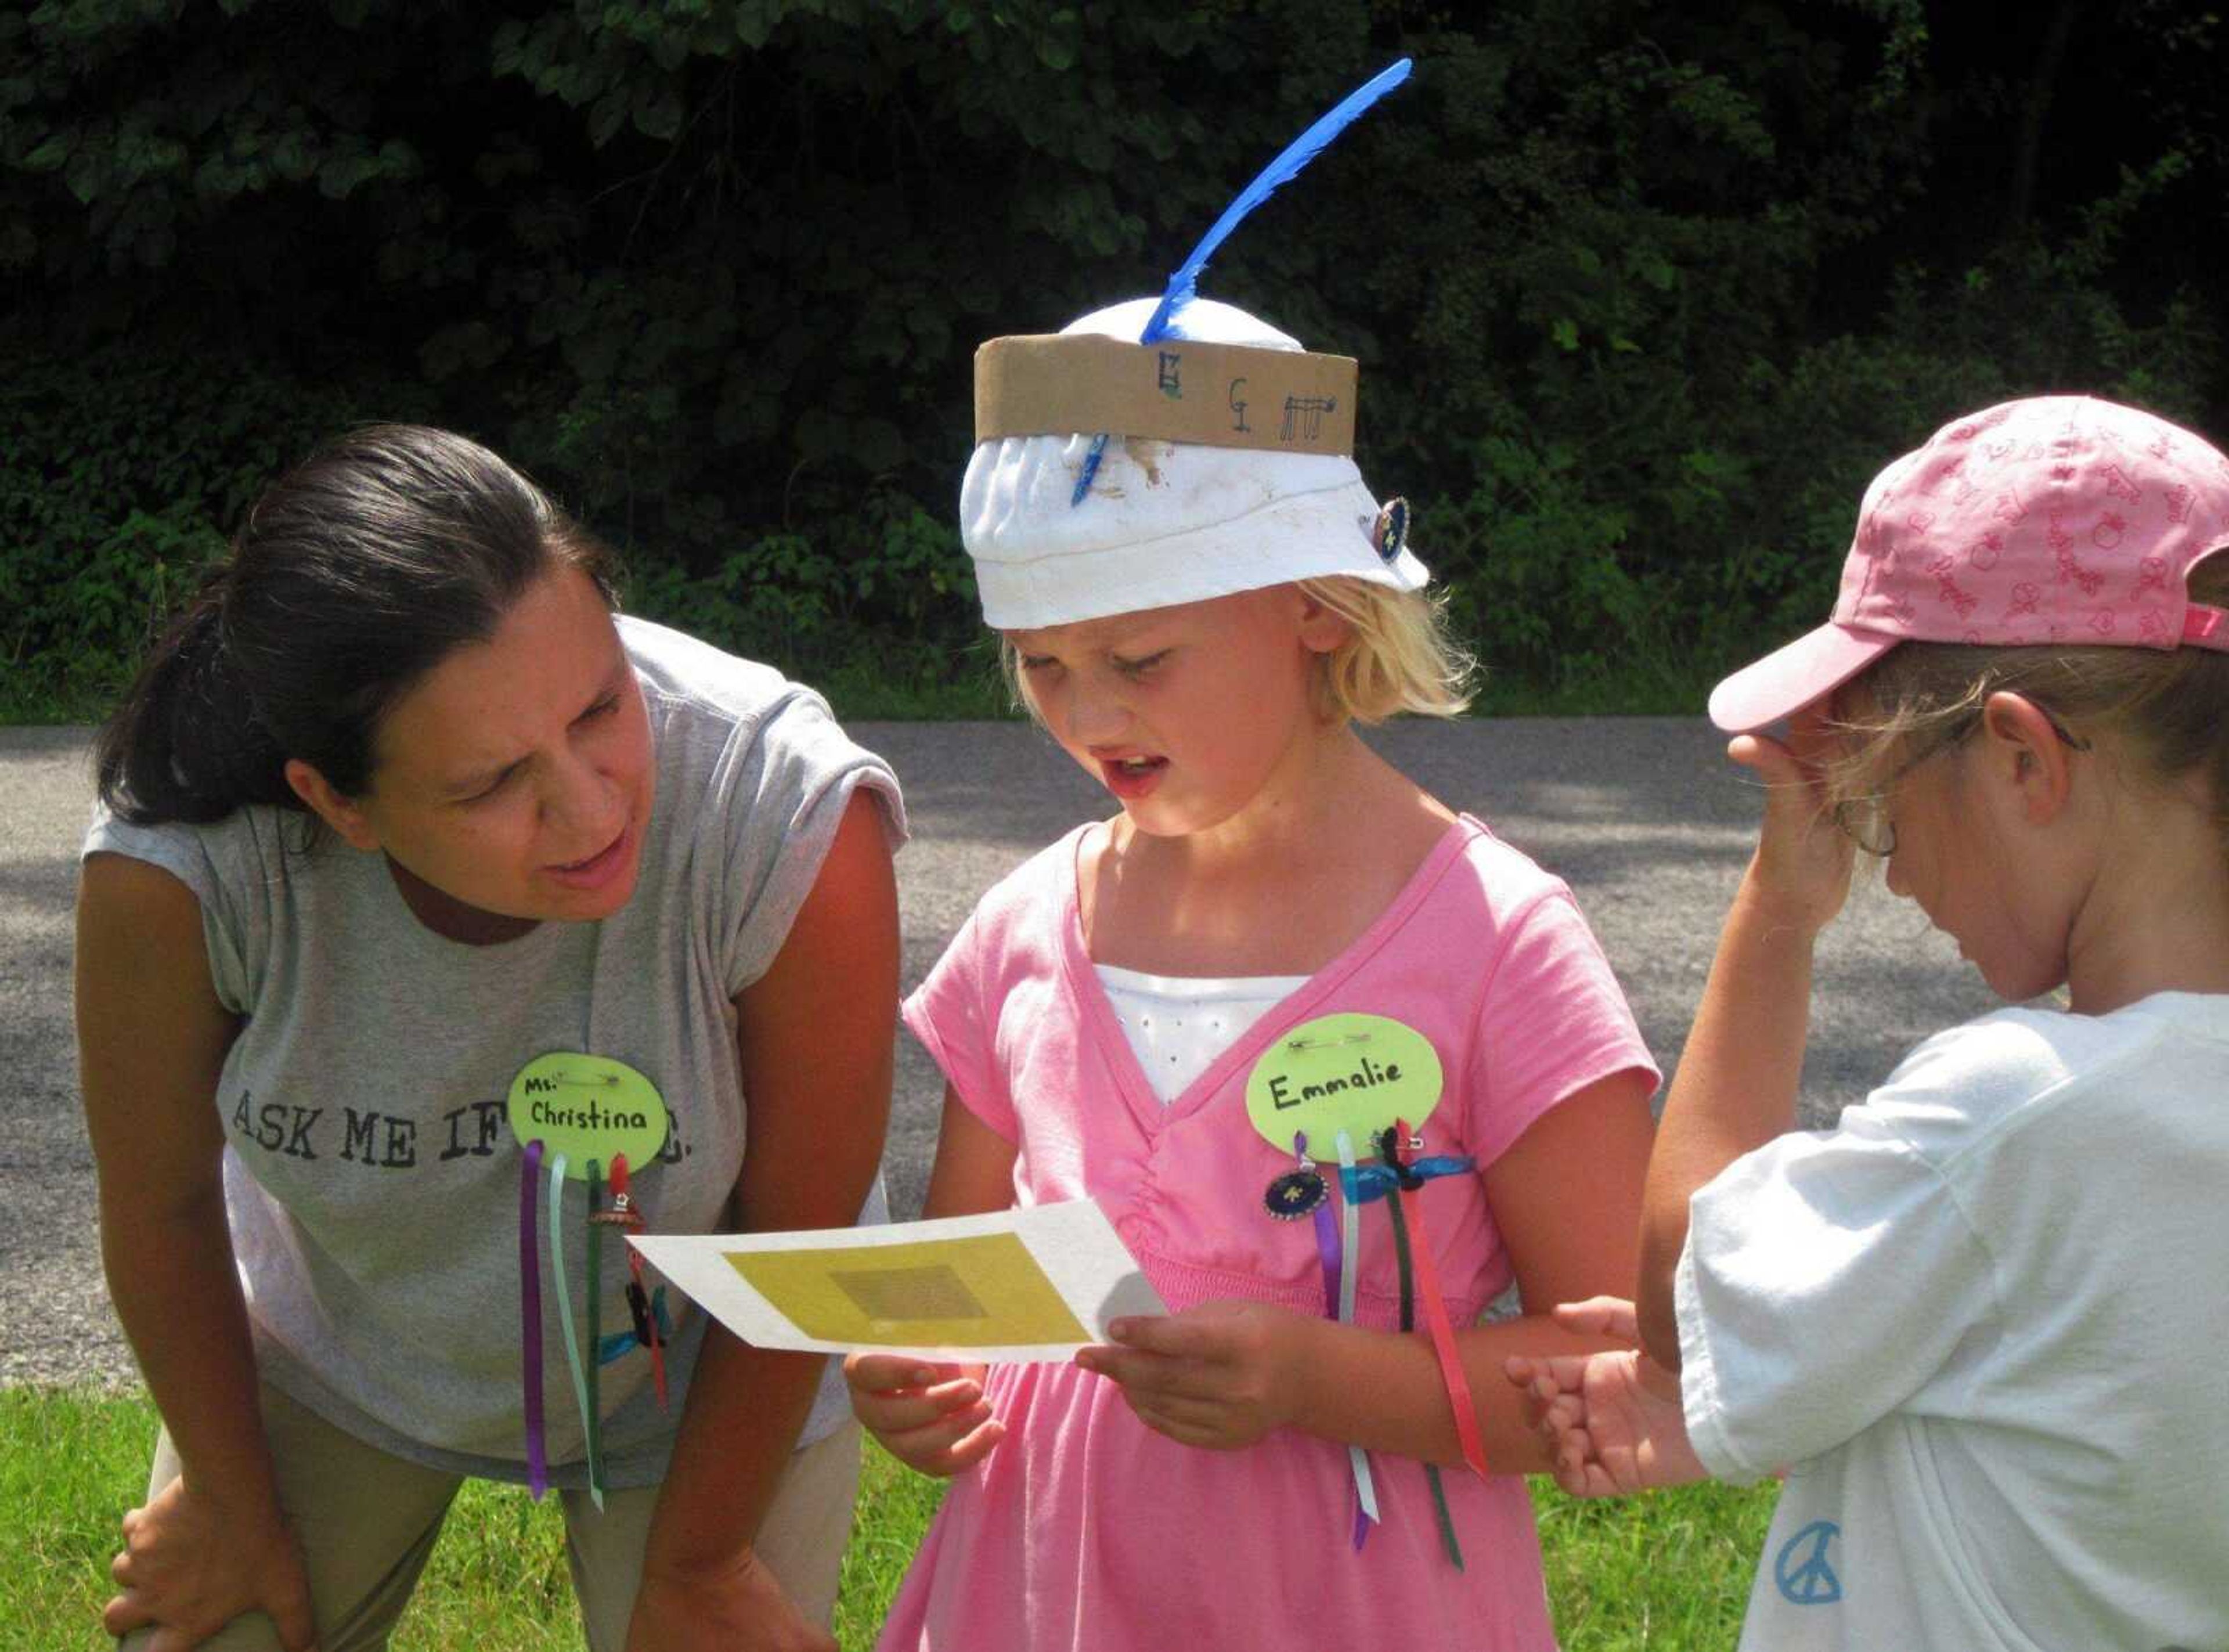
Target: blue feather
x: 1184, y: 284
x: 1297, y: 154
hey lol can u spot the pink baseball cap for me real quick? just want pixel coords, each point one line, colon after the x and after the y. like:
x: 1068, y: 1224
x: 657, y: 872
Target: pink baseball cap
x: 2057, y: 519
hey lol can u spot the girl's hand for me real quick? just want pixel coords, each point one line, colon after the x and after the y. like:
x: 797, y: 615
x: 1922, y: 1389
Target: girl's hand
x: 1801, y: 868
x: 1613, y: 1420
x: 740, y: 1609
x: 189, y: 1568
x: 933, y: 1418
x: 1219, y: 1375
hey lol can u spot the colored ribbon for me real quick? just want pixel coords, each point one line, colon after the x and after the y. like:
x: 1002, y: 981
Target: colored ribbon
x: 1398, y: 1182
x: 617, y: 1344
x: 1327, y: 1251
x: 1408, y: 1323
x: 530, y: 1334
x: 565, y: 1317
x: 1364, y: 1184
x: 593, y: 1405
x: 1443, y: 1343
x: 1366, y: 1489
x: 650, y: 1329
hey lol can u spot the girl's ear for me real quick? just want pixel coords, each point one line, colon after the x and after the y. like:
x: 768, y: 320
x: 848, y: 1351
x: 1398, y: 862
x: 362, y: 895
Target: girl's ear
x: 1323, y: 628
x: 2026, y: 754
x: 340, y: 813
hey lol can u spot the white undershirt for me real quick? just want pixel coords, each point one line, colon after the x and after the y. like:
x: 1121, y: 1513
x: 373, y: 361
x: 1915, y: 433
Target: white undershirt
x: 1178, y: 1025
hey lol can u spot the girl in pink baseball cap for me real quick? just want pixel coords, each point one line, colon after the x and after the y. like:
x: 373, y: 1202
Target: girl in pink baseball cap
x: 1981, y: 1321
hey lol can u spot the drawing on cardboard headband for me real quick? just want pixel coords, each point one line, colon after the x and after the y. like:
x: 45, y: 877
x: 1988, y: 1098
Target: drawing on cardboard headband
x: 1177, y: 390
x: 1183, y: 281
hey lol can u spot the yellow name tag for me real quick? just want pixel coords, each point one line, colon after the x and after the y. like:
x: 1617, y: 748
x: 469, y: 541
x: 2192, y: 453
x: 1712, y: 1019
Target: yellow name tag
x: 1352, y: 1073
x: 588, y: 1106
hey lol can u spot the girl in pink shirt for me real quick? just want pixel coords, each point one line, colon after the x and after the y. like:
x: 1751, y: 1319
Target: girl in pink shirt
x: 1200, y: 626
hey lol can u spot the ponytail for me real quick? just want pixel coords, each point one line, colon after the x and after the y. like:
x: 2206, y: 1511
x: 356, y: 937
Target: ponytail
x: 186, y: 743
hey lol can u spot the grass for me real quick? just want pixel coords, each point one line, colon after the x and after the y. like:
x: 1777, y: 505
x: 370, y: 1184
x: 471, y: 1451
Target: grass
x: 1669, y: 1571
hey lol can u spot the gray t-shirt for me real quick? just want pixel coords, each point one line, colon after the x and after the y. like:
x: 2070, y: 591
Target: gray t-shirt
x: 371, y: 1180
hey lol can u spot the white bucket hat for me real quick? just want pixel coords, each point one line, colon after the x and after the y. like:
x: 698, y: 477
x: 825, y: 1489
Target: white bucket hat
x: 1163, y: 522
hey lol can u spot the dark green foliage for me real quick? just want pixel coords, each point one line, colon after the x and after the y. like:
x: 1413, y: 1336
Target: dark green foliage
x: 119, y: 473
x: 1643, y: 291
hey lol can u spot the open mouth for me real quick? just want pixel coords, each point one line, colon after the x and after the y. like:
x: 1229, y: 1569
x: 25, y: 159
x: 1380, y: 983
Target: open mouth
x: 596, y: 867
x: 1131, y: 776
x: 583, y: 863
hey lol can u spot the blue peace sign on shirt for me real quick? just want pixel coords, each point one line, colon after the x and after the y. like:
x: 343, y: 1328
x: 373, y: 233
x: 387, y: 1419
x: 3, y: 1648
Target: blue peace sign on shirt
x: 1802, y: 1568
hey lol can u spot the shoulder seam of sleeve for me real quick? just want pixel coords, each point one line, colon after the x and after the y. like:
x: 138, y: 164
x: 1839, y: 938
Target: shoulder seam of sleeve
x: 1938, y: 1174
x: 1966, y: 1223
x: 2020, y: 1116
x: 1504, y: 937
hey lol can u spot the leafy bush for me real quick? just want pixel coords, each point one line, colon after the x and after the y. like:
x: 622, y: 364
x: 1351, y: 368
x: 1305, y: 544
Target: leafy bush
x: 119, y: 468
x: 1643, y: 291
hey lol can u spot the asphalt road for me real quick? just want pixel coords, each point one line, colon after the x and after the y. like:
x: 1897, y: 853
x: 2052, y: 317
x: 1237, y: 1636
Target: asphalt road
x: 1643, y: 816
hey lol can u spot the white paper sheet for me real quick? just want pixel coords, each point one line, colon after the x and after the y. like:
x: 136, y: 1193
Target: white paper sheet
x: 1022, y: 1284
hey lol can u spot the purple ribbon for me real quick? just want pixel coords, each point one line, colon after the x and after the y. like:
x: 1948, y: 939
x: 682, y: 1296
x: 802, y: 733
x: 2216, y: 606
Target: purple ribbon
x: 1327, y: 1238
x: 1327, y: 1251
x: 530, y: 1312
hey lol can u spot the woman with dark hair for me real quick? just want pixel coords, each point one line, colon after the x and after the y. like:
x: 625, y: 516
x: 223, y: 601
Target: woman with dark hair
x: 425, y: 891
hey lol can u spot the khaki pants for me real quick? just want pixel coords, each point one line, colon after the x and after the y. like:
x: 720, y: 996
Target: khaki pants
x: 367, y: 1521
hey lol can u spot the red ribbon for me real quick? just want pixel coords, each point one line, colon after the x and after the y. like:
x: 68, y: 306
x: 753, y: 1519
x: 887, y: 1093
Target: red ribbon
x: 1435, y: 1318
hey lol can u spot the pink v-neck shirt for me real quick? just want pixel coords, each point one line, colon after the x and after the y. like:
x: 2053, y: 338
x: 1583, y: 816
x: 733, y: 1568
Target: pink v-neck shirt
x: 1085, y: 1529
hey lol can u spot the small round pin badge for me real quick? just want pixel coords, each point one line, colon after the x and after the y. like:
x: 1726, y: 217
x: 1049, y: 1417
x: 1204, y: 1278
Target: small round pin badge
x: 1390, y: 534
x: 1294, y: 1194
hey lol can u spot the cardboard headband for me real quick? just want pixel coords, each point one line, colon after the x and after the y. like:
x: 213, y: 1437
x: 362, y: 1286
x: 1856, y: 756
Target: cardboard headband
x: 1175, y: 389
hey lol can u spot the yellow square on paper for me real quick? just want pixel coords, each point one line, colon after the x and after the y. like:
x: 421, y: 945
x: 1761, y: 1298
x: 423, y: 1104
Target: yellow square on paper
x: 983, y: 1291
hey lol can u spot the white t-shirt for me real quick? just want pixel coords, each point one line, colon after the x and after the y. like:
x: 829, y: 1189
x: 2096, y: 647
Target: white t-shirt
x: 1985, y: 1324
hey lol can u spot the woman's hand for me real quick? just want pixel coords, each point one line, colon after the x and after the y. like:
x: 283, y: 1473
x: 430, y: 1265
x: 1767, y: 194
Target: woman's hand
x: 1219, y: 1376
x: 1802, y: 869
x: 741, y: 1608
x: 931, y: 1418
x: 189, y: 1567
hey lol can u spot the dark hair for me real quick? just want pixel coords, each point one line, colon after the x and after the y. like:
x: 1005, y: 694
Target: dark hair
x: 354, y: 573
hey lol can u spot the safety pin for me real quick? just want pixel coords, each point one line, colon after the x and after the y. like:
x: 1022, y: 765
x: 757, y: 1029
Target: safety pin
x: 1327, y: 1043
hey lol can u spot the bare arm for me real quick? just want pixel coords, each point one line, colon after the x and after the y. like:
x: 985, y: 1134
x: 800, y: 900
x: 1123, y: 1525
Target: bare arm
x: 151, y: 1043
x: 974, y: 1169
x: 1564, y: 1196
x: 1734, y: 1092
x: 816, y: 1033
x: 1735, y: 1089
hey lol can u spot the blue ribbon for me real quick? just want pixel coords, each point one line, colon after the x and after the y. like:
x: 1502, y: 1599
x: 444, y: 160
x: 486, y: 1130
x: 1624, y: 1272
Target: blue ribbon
x: 1363, y: 1183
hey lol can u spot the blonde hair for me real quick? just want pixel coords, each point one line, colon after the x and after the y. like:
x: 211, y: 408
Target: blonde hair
x: 1400, y: 655
x: 2165, y: 711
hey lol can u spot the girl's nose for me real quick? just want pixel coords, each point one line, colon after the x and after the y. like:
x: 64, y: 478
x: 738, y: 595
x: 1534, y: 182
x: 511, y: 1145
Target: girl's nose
x: 1096, y: 716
